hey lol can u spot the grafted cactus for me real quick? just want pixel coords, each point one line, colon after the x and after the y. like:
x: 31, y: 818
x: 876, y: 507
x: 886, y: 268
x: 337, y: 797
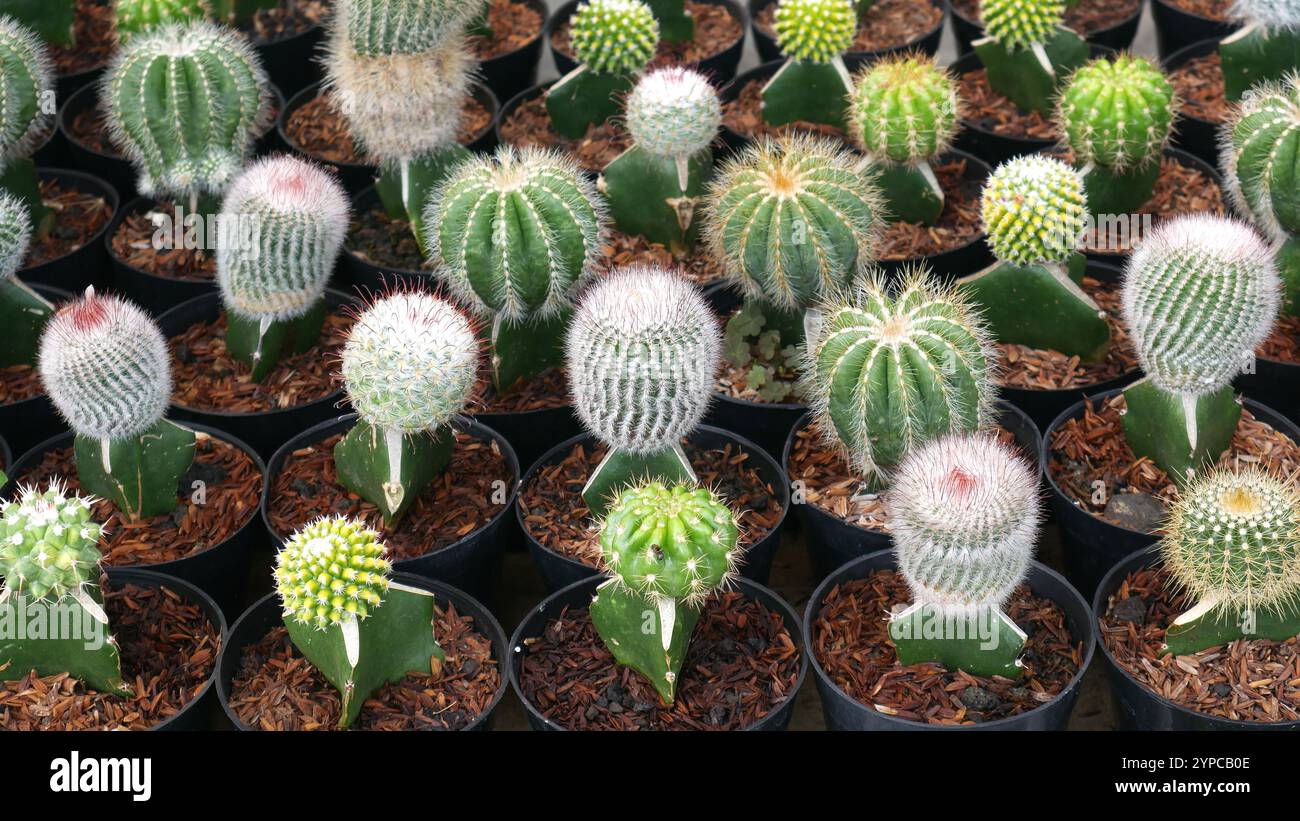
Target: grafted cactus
x: 516, y: 235
x: 891, y: 368
x: 666, y: 548
x: 273, y: 274
x: 409, y: 365
x: 964, y: 515
x: 23, y: 312
x: 904, y: 111
x: 1265, y: 48
x: 612, y: 41
x: 1200, y: 295
x: 814, y: 84
x: 26, y: 111
x: 106, y: 368
x: 1034, y: 211
x: 360, y: 628
x: 131, y: 17
x: 1027, y: 51
x: 642, y: 354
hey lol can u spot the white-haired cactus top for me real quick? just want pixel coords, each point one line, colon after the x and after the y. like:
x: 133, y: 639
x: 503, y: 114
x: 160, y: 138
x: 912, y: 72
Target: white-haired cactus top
x: 26, y: 90
x: 673, y: 112
x: 1034, y: 210
x: 1019, y: 24
x: 614, y: 36
x: 815, y: 31
x: 1270, y: 14
x: 15, y: 235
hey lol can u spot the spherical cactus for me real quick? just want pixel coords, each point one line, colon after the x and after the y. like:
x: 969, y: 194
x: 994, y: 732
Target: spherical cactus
x: 815, y: 31
x: 49, y: 545
x: 192, y: 136
x: 642, y: 354
x: 1234, y: 538
x: 793, y: 220
x: 135, y: 16
x: 890, y: 369
x: 330, y: 571
x: 385, y: 27
x: 905, y: 109
x: 1200, y: 294
x: 1021, y: 23
x: 614, y: 36
x: 26, y: 90
x: 409, y: 363
x: 673, y: 112
x: 1117, y: 113
x: 1034, y: 210
x: 964, y: 514
x: 105, y: 366
x: 1275, y: 15
x: 1261, y: 134
x: 516, y: 232
x: 679, y: 543
x: 298, y: 215
x: 15, y: 234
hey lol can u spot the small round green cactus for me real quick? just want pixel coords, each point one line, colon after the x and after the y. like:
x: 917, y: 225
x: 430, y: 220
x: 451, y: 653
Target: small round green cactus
x: 385, y: 27
x: 673, y: 112
x: 1234, y: 538
x: 1034, y: 210
x: 15, y: 234
x: 26, y: 90
x: 1258, y: 140
x: 614, y: 36
x: 815, y: 31
x: 1021, y: 23
x: 793, y: 220
x: 49, y: 545
x: 331, y: 571
x: 679, y: 543
x: 905, y: 109
x: 136, y: 16
x: 1117, y: 113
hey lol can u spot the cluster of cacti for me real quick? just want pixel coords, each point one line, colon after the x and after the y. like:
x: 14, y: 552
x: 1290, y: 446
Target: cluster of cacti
x: 1200, y: 294
x: 132, y: 17
x: 813, y: 85
x: 892, y: 367
x: 409, y: 366
x: 1265, y: 48
x: 666, y: 547
x: 343, y: 611
x: 23, y: 312
x: 1027, y: 52
x: 642, y: 354
x: 904, y: 111
x: 654, y: 187
x: 26, y: 113
x: 1034, y: 211
x: 273, y: 280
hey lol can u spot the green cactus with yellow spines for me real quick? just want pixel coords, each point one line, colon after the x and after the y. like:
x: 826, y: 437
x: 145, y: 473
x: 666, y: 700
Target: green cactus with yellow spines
x: 814, y: 84
x: 1027, y: 51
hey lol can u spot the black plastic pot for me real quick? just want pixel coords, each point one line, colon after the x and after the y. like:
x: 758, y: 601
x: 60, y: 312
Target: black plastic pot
x: 266, y: 432
x: 733, y: 140
x: 1091, y: 544
x: 87, y: 265
x: 361, y: 273
x: 720, y: 67
x: 843, y: 712
x: 1136, y: 706
x: 156, y: 294
x: 51, y: 152
x: 27, y: 423
x: 1118, y: 37
x: 65, y: 85
x: 963, y: 260
x: 221, y: 570
x: 578, y: 596
x: 264, y: 615
x: 768, y: 50
x: 1192, y: 134
x: 533, y: 433
x: 833, y: 543
x: 356, y: 176
x: 465, y: 564
x: 291, y: 62
x: 1274, y: 384
x: 6, y: 455
x: 1176, y: 28
x: 510, y: 73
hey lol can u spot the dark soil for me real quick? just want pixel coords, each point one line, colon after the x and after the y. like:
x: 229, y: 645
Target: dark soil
x: 79, y: 216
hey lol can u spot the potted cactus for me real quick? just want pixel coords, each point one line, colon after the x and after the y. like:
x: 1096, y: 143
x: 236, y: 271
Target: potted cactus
x: 132, y: 17
x: 813, y: 84
x: 22, y: 311
x: 1266, y: 47
x: 1027, y: 51
x: 26, y: 75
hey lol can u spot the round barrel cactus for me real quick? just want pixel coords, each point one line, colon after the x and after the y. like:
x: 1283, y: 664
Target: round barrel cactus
x: 673, y: 112
x: 1034, y: 210
x: 386, y: 27
x: 1261, y: 140
x: 614, y: 36
x: 1118, y: 112
x: 815, y: 31
x: 26, y: 90
x: 331, y: 570
x: 1019, y: 24
x: 134, y: 16
x: 15, y: 235
x: 905, y: 109
x: 49, y: 545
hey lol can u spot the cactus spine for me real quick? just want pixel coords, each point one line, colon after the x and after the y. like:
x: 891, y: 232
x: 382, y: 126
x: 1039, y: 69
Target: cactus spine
x: 23, y: 312
x: 1265, y: 48
x: 135, y: 16
x: 814, y: 84
x: 1027, y: 51
x: 26, y: 113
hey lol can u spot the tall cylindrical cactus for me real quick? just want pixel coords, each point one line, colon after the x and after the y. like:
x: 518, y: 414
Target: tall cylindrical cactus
x: 814, y: 84
x: 27, y: 108
x: 388, y: 27
x: 23, y: 312
x: 1265, y: 48
x: 131, y: 17
x: 1028, y: 52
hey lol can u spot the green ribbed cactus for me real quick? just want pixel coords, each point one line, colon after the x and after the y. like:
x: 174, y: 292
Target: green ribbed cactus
x: 1233, y: 544
x: 516, y: 235
x: 1027, y: 52
x: 1034, y: 211
x: 1265, y: 48
x: 814, y: 84
x: 667, y: 549
x: 49, y: 561
x: 132, y: 17
x: 27, y: 108
x: 892, y: 367
x: 388, y: 27
x: 612, y: 41
x: 904, y: 111
x: 23, y: 312
x: 1200, y: 295
x: 344, y: 612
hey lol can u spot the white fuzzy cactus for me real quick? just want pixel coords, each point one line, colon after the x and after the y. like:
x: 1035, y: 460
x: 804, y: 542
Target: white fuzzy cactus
x: 1270, y: 14
x: 964, y: 512
x: 1200, y: 294
x: 298, y: 214
x: 104, y: 364
x: 15, y: 234
x: 409, y: 363
x: 26, y: 90
x: 642, y: 354
x: 673, y: 112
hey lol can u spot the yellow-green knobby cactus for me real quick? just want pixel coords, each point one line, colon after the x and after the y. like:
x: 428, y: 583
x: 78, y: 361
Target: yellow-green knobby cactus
x: 1027, y: 52
x: 814, y: 83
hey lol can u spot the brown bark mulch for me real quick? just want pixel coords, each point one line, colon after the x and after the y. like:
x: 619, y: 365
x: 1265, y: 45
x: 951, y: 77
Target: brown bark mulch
x: 233, y: 486
x: 851, y: 642
x: 887, y: 24
x: 133, y: 244
x: 1085, y: 17
x: 318, y: 130
x: 78, y: 216
x: 1283, y: 345
x: 276, y: 688
x: 958, y: 223
x: 513, y: 25
x: 555, y: 515
x: 19, y: 382
x: 742, y: 664
x: 1180, y: 189
x: 289, y: 19
x: 529, y: 124
x: 453, y: 506
x: 715, y: 32
x: 549, y: 389
x: 94, y: 34
x: 168, y: 650
x: 633, y: 249
x: 988, y: 109
x: 385, y: 242
x: 744, y: 116
x: 1199, y: 83
x: 1246, y: 680
x: 1210, y: 9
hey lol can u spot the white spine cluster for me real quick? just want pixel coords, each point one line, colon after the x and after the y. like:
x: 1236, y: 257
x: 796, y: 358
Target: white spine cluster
x: 26, y: 76
x: 15, y: 235
x: 1275, y: 15
x: 673, y: 112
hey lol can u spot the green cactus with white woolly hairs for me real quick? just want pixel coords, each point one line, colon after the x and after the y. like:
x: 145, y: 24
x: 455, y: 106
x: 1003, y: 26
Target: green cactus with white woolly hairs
x: 23, y: 312
x: 813, y: 85
x: 26, y: 114
x: 132, y: 17
x: 387, y: 27
x: 1266, y: 47
x: 1027, y: 51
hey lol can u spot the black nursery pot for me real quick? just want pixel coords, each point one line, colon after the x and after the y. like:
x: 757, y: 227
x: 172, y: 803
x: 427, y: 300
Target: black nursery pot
x: 533, y: 433
x: 1091, y: 544
x: 1192, y: 134
x: 510, y: 73
x: 1176, y: 28
x: 965, y: 259
x: 222, y: 569
x: 578, y: 595
x: 88, y: 264
x: 465, y: 564
x: 768, y: 50
x: 266, y: 431
x: 156, y: 294
x: 559, y: 571
x: 1118, y: 37
x: 720, y: 67
x: 6, y: 455
x: 27, y: 423
x: 843, y: 712
x: 833, y: 543
x: 291, y: 62
x: 363, y: 273
x: 265, y: 615
x: 734, y: 141
x: 1274, y: 384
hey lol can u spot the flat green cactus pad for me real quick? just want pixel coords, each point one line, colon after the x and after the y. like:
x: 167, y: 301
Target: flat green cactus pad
x: 633, y: 628
x: 620, y: 468
x: 19, y: 179
x: 1021, y: 74
x: 675, y: 24
x: 912, y: 191
x: 646, y: 196
x: 391, y: 478
x: 262, y: 348
x: 405, y: 190
x: 140, y: 476
x: 87, y: 654
x: 1119, y: 192
x: 984, y: 646
x: 1156, y: 426
x: 583, y: 98
x: 23, y: 314
x: 808, y: 92
x: 522, y: 351
x: 1250, y: 56
x: 1206, y: 626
